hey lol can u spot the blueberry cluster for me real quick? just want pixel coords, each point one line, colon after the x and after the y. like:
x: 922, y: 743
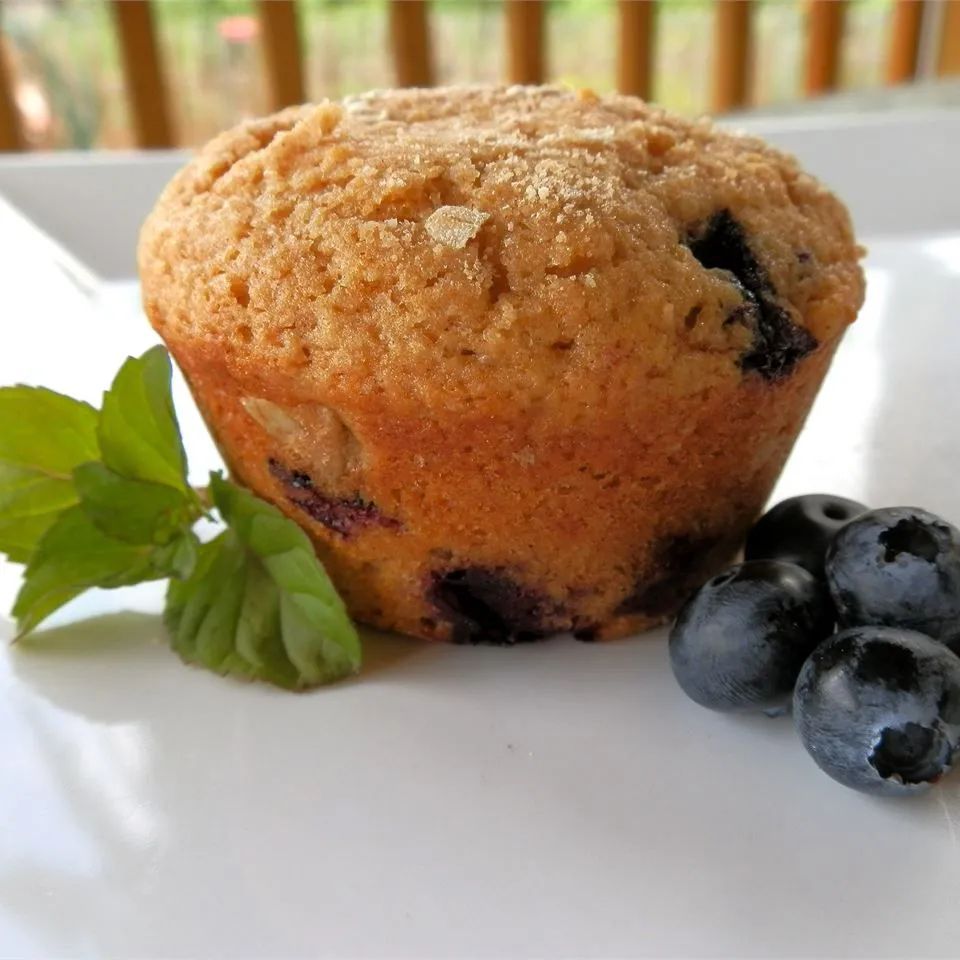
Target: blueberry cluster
x: 852, y: 616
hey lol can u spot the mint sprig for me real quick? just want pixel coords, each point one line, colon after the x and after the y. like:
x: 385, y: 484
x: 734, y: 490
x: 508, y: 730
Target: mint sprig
x: 74, y: 556
x: 100, y: 499
x: 259, y: 604
x: 44, y: 436
x: 135, y: 511
x: 137, y: 430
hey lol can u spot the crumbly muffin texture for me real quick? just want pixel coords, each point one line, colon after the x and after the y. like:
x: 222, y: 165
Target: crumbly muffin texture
x: 520, y: 360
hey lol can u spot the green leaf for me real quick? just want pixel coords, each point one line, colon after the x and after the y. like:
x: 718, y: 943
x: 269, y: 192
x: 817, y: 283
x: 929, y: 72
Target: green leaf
x: 43, y: 437
x: 29, y: 503
x: 135, y: 511
x: 259, y: 604
x: 180, y: 555
x: 46, y: 431
x: 138, y: 433
x: 73, y: 556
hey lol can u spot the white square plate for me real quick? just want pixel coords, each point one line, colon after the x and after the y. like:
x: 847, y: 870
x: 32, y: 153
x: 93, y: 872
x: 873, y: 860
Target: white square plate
x: 552, y: 800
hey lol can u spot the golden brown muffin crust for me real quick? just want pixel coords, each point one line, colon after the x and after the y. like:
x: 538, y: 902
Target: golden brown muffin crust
x: 321, y: 217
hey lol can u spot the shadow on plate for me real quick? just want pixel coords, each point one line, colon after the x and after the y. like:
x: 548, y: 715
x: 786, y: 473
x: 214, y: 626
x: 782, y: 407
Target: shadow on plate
x: 383, y: 651
x: 105, y: 635
x: 65, y: 664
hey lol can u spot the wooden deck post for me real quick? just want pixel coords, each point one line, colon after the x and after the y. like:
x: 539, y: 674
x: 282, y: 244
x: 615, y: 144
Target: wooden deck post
x: 410, y: 40
x: 143, y: 74
x: 732, y: 54
x: 11, y: 136
x: 904, y: 43
x: 282, y: 55
x: 635, y: 46
x: 948, y: 59
x: 525, y: 40
x: 825, y: 23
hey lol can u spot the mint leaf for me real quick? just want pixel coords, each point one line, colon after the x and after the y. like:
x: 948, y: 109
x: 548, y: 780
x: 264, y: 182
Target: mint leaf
x: 259, y: 605
x: 46, y: 431
x: 138, y: 433
x: 179, y: 557
x: 43, y: 436
x: 203, y: 612
x: 29, y: 503
x: 73, y: 555
x: 134, y: 511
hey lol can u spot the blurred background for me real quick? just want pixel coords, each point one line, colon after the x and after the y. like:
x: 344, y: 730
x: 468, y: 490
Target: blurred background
x: 125, y: 73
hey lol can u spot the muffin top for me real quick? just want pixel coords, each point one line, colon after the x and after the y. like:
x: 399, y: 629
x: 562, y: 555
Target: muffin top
x: 460, y: 246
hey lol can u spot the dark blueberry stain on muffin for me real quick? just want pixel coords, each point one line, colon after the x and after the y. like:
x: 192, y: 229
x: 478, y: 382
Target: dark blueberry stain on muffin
x: 778, y: 342
x: 486, y: 605
x: 679, y: 562
x: 343, y: 515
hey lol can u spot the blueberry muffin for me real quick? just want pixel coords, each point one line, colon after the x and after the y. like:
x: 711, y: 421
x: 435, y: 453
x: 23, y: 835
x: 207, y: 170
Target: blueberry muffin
x: 519, y: 360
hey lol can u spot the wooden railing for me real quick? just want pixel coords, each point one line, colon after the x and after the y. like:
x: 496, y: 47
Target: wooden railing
x: 410, y: 42
x: 283, y: 58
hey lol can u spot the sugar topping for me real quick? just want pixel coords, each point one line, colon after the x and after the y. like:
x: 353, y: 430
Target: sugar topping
x: 455, y: 226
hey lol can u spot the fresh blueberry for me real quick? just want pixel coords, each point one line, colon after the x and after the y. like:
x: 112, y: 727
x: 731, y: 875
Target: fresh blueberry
x: 898, y: 567
x: 800, y: 529
x: 741, y: 639
x: 878, y: 709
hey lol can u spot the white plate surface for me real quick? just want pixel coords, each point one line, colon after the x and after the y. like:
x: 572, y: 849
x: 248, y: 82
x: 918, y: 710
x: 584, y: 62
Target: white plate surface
x: 555, y: 800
